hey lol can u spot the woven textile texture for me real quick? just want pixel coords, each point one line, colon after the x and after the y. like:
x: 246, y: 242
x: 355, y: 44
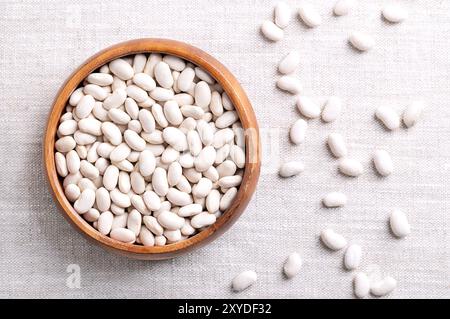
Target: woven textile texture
x: 42, y: 42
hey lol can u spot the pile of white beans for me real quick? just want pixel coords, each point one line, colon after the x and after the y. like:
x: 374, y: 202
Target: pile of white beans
x: 363, y: 282
x: 150, y: 149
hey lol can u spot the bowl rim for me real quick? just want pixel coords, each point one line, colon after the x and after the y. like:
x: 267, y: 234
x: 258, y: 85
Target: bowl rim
x: 242, y: 105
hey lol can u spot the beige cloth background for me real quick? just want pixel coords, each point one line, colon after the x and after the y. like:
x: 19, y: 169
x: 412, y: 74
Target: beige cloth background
x: 43, y: 41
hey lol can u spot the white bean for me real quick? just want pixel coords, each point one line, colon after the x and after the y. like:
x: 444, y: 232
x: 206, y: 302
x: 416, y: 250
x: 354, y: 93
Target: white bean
x: 333, y: 240
x: 119, y: 116
x: 146, y: 237
x: 352, y: 257
x: 134, y: 141
x: 67, y: 127
x: 383, y: 162
x: 92, y: 215
x: 121, y: 69
x: 343, y: 7
x: 173, y: 236
x: 399, y: 224
x: 388, y: 117
x: 96, y: 91
x: 337, y: 145
x: 332, y: 109
x: 412, y: 113
x: 72, y: 192
x: 394, y: 13
x: 290, y: 84
x: 61, y: 164
x: 244, y: 280
x: 202, y: 94
x: 90, y: 126
x: 187, y: 229
x: 230, y: 181
x: 223, y: 136
x: 309, y: 15
x: 162, y: 94
x: 213, y: 201
x: 83, y: 138
x: 88, y: 170
x: 334, y: 199
x: 350, y: 167
x: 289, y: 63
x: 175, y: 63
x: 193, y: 111
x: 178, y: 198
x: 172, y: 113
x: 183, y: 98
x: 175, y: 138
x: 160, y: 240
x: 85, y: 201
x: 205, y: 159
x: 111, y: 177
x: 282, y: 14
x: 212, y: 174
x: 292, y: 265
x: 76, y: 96
x: 271, y: 31
x: 202, y: 188
x: 190, y: 210
x: 185, y: 79
x: 105, y: 222
x: 203, y: 75
x: 227, y: 199
x: 137, y: 182
x: 120, y: 152
x: 116, y: 99
x: 163, y: 75
x: 298, y: 131
x: 119, y: 198
x: 170, y: 220
x: 361, y: 41
x: 112, y: 133
x: 120, y: 221
x: 65, y: 144
x: 102, y: 199
x: 174, y: 173
x: 144, y: 81
x: 308, y: 107
x: 152, y: 60
x: 134, y: 221
x: 361, y: 285
x: 84, y: 106
x: 159, y: 181
x: 215, y: 106
x: 226, y: 102
x: 206, y: 133
x: 147, y: 163
x: 101, y: 79
x: 147, y: 120
x: 152, y: 224
x: 123, y: 234
x: 202, y: 220
x: 226, y: 119
x: 290, y: 169
x: 383, y: 287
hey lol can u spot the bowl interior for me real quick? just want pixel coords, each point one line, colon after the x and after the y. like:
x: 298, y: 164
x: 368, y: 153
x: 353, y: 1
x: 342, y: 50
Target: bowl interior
x: 246, y: 115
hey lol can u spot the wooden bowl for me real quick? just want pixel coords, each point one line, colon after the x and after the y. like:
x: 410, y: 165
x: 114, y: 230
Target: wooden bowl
x: 242, y: 104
